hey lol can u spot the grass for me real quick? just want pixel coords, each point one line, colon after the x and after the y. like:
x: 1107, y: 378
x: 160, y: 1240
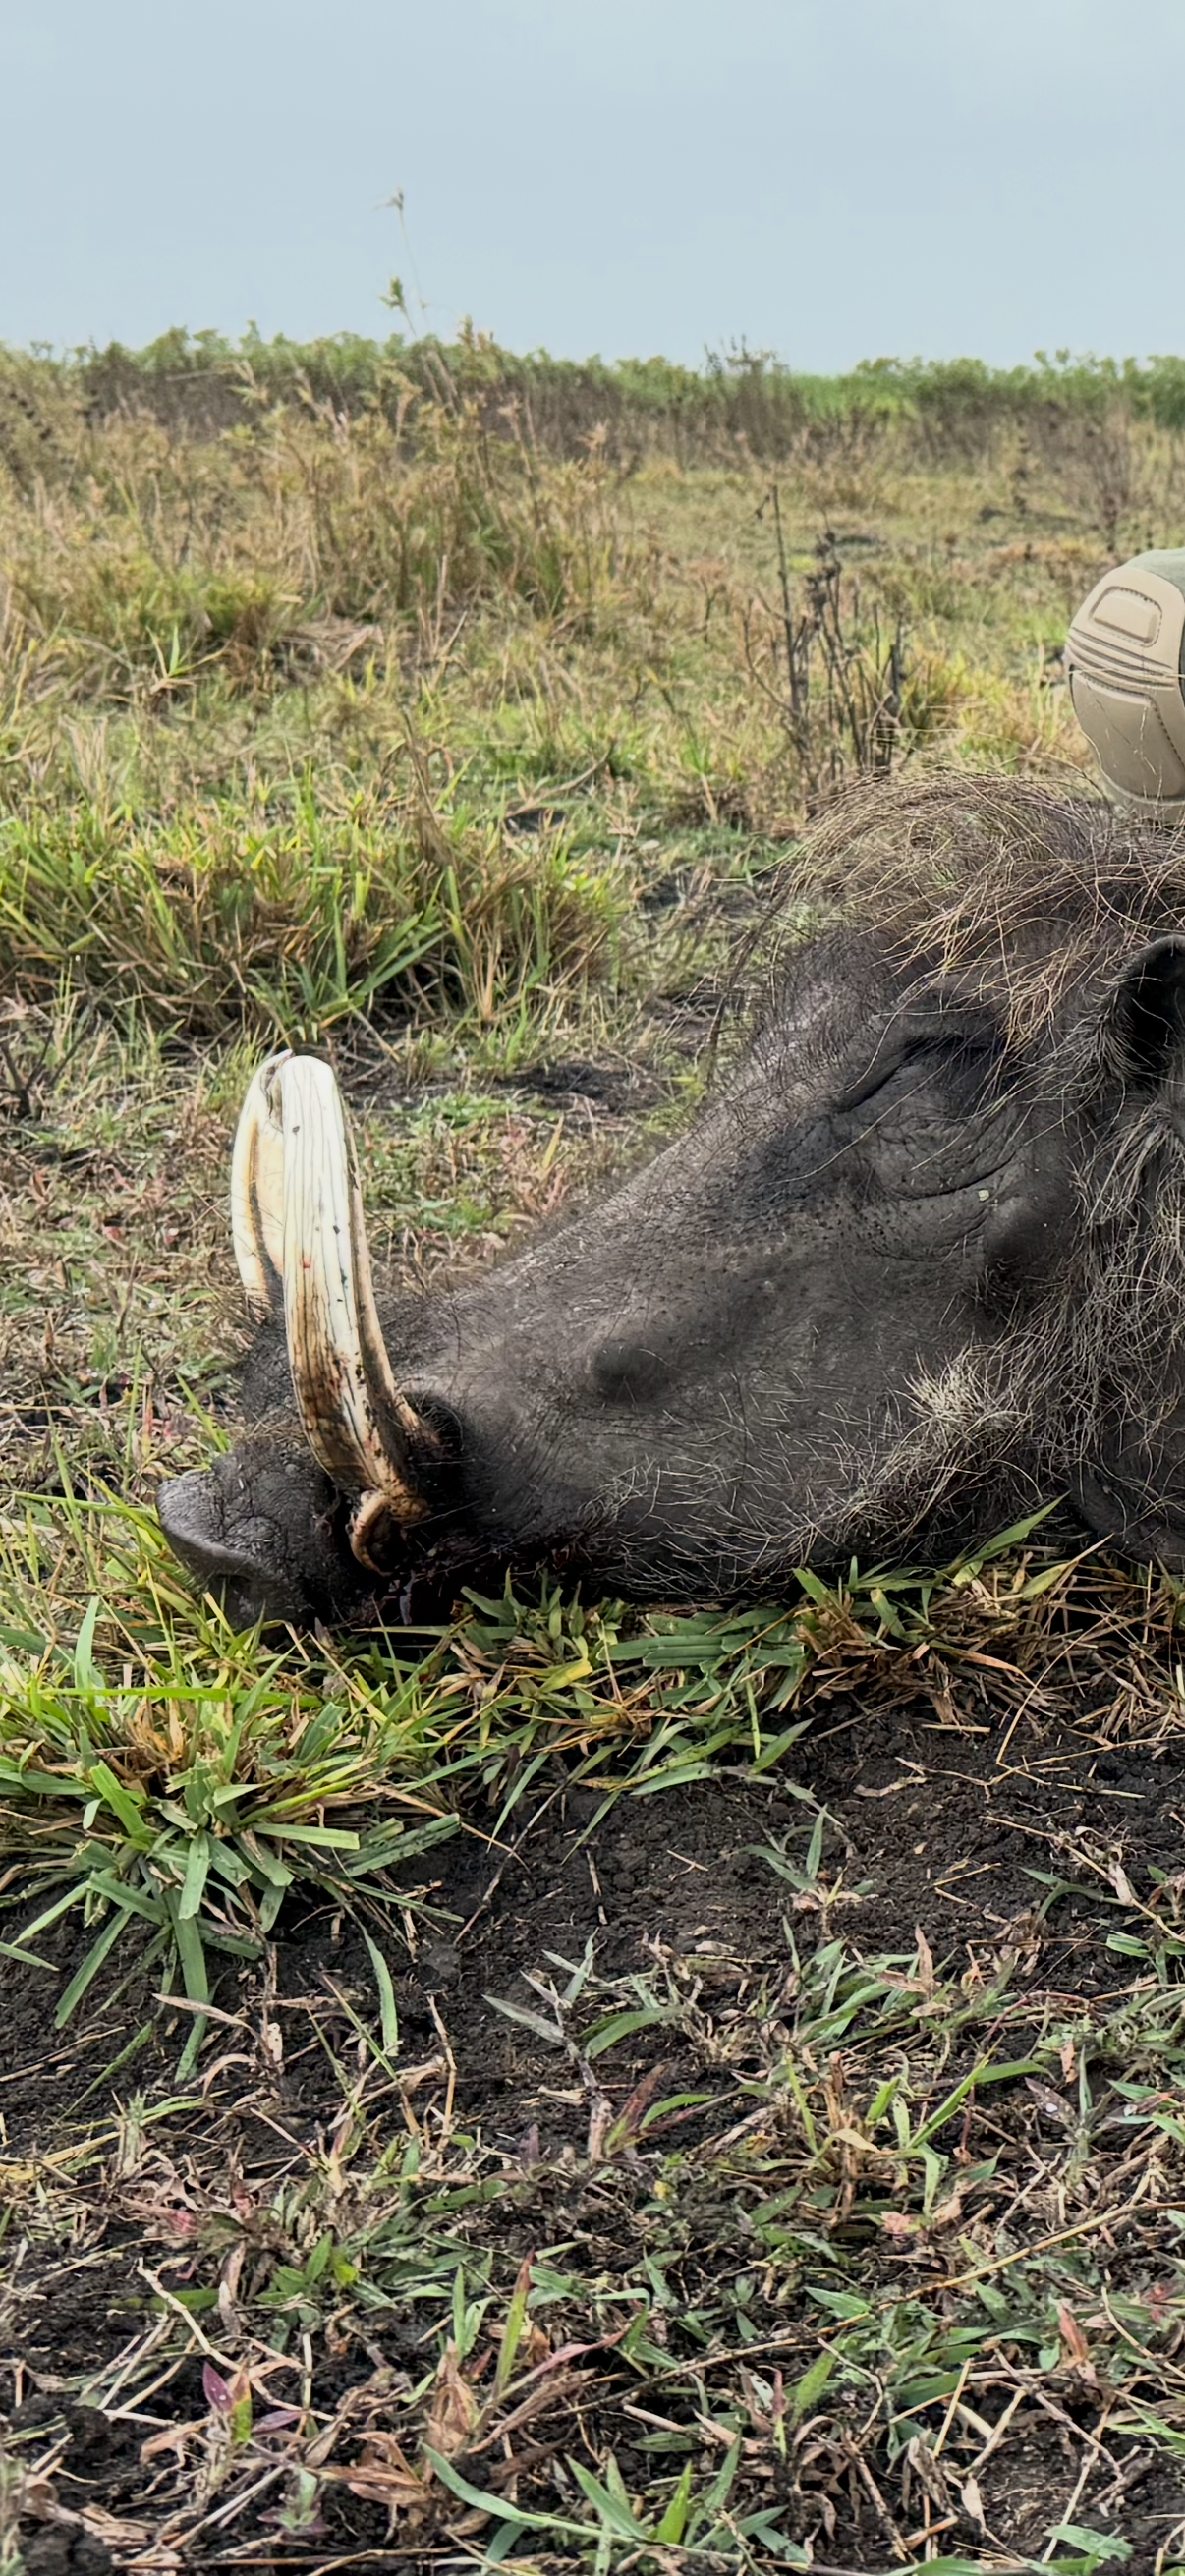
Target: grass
x: 290, y: 926
x: 214, y: 1778
x: 808, y: 2289
x: 739, y: 397
x: 377, y: 722
x: 192, y: 1800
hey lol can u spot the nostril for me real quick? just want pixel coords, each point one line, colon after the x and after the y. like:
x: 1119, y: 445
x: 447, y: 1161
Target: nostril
x: 439, y: 1415
x: 626, y: 1371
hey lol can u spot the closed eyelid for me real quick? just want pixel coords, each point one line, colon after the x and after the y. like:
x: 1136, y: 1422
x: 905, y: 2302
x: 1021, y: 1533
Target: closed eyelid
x: 935, y: 1036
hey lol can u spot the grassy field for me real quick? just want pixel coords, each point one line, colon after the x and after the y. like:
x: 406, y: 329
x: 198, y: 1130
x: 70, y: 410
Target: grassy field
x: 527, y: 2096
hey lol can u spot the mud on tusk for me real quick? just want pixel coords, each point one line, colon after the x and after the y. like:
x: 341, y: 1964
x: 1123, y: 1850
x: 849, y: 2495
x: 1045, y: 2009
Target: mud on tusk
x: 257, y: 1194
x: 358, y: 1424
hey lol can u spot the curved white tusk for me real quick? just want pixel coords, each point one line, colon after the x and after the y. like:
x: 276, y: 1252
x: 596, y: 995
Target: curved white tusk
x: 357, y: 1423
x: 257, y: 1194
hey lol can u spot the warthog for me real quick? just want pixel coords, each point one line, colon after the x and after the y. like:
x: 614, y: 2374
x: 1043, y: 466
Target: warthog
x: 917, y: 1268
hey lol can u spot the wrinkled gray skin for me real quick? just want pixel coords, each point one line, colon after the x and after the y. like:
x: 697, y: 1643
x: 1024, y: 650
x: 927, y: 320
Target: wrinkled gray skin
x: 872, y: 1301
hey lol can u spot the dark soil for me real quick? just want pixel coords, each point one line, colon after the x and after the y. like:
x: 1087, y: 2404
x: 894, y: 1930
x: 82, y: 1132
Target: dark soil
x: 930, y: 1828
x: 614, y: 1090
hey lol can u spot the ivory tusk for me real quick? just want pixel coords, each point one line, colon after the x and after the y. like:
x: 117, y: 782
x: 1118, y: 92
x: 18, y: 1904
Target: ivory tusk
x: 257, y: 1194
x: 358, y: 1424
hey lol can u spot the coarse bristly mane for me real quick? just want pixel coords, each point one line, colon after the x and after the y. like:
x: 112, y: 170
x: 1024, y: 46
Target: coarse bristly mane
x: 1033, y: 902
x: 1026, y: 894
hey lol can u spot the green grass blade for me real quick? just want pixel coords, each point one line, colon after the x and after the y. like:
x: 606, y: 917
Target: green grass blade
x: 388, y: 2013
x: 84, y: 1976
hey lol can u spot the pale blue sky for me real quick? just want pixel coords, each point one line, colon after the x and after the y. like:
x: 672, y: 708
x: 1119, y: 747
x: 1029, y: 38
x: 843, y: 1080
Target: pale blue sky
x: 832, y: 179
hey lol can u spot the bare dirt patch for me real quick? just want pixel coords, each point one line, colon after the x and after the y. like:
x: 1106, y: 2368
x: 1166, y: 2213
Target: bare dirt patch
x: 686, y: 2243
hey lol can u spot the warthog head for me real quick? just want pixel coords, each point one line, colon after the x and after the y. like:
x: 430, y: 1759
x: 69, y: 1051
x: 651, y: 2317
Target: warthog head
x: 917, y: 1267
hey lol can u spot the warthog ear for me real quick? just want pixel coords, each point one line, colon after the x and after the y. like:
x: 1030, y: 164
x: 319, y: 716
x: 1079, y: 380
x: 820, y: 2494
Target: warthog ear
x: 1145, y: 1030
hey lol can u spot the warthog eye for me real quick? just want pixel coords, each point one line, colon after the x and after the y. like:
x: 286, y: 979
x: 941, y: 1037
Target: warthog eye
x: 924, y: 1040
